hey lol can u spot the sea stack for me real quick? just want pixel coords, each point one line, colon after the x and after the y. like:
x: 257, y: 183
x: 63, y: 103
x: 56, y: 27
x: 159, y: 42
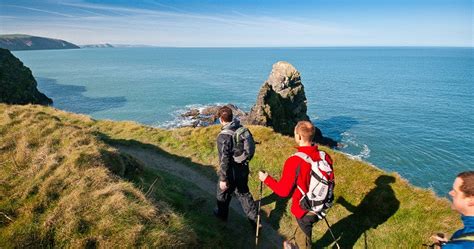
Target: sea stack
x: 281, y: 101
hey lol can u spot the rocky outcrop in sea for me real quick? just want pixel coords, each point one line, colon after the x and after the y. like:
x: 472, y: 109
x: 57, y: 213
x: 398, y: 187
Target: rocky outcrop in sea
x: 281, y: 101
x: 205, y: 116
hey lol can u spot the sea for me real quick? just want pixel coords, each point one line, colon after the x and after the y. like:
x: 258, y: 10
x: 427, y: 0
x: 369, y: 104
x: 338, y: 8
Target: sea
x: 408, y: 110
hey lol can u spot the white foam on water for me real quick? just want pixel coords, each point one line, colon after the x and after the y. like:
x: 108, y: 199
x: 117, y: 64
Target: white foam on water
x: 180, y: 121
x: 350, y: 141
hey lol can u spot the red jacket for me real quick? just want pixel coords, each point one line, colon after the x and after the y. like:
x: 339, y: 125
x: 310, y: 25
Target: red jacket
x: 284, y: 187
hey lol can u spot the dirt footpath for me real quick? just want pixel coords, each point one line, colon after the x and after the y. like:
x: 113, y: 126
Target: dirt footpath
x: 153, y: 159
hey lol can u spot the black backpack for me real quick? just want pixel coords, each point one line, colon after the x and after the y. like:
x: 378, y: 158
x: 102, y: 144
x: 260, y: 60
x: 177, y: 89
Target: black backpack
x: 243, y: 144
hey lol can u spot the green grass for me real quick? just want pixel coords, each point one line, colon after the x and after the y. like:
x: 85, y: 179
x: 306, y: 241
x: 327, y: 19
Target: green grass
x: 374, y: 208
x: 61, y: 186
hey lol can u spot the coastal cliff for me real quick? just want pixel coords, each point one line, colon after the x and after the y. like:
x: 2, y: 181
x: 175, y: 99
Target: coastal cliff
x: 17, y: 84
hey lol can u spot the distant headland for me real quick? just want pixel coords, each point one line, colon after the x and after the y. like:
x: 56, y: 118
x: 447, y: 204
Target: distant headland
x: 14, y: 42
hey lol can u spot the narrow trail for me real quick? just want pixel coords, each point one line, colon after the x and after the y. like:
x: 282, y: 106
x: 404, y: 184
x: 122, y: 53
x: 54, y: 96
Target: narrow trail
x: 153, y: 159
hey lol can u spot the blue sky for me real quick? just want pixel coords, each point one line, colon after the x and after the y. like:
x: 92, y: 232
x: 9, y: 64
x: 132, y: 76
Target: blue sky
x: 249, y: 23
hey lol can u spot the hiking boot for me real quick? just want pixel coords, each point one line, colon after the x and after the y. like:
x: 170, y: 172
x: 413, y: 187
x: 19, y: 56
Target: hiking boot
x: 215, y: 212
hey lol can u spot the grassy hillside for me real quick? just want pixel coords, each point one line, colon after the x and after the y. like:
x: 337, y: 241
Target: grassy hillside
x: 61, y: 186
x: 48, y: 169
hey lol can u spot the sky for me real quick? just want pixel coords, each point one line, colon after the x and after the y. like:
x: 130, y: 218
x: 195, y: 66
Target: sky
x: 248, y: 23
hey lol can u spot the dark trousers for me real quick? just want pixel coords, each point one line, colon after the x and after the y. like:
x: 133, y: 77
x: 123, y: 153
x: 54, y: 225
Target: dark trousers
x: 238, y: 185
x: 305, y: 230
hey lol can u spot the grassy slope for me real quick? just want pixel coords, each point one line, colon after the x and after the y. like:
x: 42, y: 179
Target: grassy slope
x: 60, y: 187
x: 395, y: 214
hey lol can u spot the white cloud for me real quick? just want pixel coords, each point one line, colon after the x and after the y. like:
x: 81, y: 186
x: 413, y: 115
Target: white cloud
x: 39, y: 10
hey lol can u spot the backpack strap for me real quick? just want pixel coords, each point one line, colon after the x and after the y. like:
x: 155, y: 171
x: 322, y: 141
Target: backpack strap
x: 304, y: 156
x: 307, y: 159
x: 227, y: 132
x: 322, y: 166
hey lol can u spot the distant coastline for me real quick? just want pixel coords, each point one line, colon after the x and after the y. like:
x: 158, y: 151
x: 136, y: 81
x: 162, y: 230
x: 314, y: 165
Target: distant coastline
x: 18, y: 42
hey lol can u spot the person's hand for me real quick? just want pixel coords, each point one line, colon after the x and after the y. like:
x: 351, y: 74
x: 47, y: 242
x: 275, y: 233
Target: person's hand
x: 223, y: 185
x: 438, y: 239
x: 262, y: 175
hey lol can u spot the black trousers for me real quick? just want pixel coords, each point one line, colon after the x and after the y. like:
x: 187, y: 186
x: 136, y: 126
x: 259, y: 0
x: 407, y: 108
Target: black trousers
x: 304, y: 231
x: 237, y: 185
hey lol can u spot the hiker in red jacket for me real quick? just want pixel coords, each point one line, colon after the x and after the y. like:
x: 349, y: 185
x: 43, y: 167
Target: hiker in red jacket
x: 303, y: 134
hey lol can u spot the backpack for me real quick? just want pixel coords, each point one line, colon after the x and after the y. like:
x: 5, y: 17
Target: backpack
x: 320, y: 193
x: 243, y: 144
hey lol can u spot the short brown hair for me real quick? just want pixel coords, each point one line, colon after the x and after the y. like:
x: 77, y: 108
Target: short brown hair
x: 467, y: 186
x: 225, y: 113
x: 305, y: 129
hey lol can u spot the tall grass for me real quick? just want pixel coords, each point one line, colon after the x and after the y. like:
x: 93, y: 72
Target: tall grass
x: 61, y: 186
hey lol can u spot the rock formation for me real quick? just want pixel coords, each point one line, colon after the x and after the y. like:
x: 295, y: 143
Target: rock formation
x: 198, y: 117
x: 281, y: 102
x: 17, y: 84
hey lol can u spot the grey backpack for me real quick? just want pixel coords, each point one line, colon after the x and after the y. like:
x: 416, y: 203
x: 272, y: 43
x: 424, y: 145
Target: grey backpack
x: 243, y: 144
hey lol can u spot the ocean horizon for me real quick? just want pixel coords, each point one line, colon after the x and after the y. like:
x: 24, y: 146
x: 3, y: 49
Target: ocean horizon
x: 402, y: 109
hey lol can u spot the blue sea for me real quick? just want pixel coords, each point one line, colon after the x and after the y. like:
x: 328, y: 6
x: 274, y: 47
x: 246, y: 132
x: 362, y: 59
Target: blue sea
x: 408, y: 110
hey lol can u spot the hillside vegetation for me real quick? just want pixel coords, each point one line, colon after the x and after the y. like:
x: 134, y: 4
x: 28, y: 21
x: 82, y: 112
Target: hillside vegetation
x: 61, y: 186
x: 28, y: 42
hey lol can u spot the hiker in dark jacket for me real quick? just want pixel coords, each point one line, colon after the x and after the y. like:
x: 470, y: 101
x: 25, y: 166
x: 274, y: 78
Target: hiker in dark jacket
x: 233, y: 177
x: 462, y: 196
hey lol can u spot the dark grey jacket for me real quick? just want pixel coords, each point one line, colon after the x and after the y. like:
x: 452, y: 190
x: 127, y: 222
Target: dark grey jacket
x: 225, y: 149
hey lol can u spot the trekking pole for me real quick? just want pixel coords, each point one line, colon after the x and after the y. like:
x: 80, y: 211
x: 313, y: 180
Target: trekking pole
x: 258, y: 214
x: 332, y: 234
